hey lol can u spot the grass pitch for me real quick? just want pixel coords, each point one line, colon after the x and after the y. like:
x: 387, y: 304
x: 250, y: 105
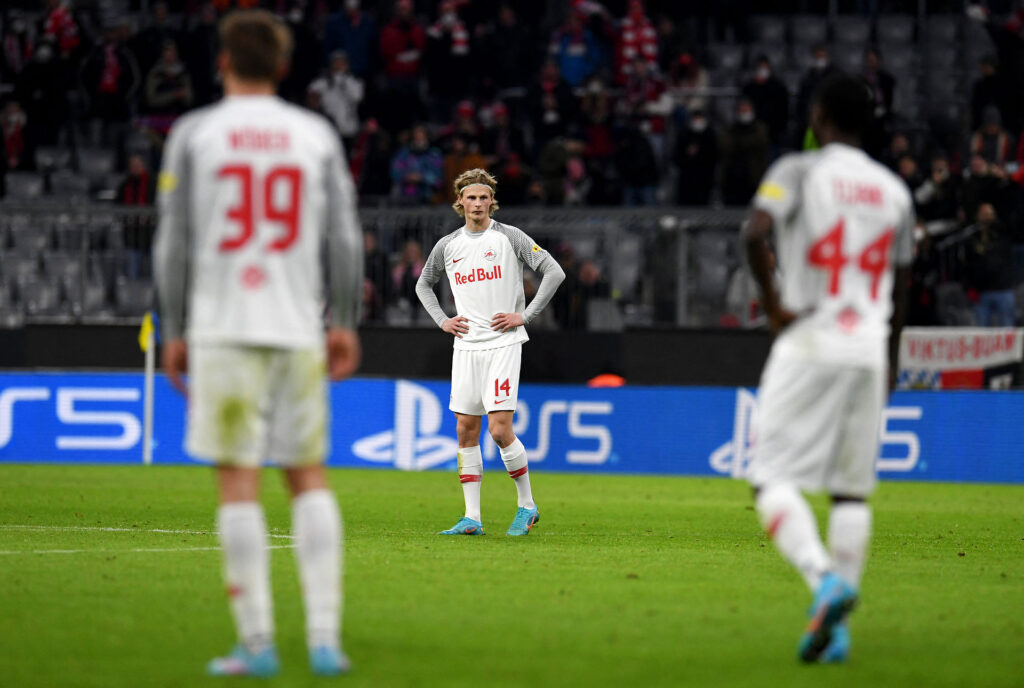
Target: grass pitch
x: 626, y: 581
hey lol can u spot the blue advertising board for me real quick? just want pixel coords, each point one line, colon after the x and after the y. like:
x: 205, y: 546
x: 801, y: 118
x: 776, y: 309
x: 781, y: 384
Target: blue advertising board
x: 404, y: 424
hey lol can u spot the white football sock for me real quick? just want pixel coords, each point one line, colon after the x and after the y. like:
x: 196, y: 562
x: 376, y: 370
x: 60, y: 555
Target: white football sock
x: 316, y: 524
x: 243, y: 537
x: 849, y: 532
x: 471, y: 471
x: 514, y: 456
x: 789, y: 520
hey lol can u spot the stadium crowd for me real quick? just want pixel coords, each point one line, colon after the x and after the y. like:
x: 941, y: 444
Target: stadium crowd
x: 572, y: 103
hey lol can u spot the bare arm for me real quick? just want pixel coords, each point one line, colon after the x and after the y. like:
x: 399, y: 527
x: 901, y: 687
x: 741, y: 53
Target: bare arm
x: 755, y: 238
x: 901, y: 285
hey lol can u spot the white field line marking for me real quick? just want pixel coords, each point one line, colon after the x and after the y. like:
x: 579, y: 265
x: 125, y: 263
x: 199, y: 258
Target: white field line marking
x: 125, y: 551
x: 5, y: 526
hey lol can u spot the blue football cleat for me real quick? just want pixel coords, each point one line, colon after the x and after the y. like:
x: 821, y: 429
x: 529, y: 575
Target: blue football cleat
x: 465, y: 526
x: 834, y: 599
x: 329, y: 661
x: 838, y: 649
x: 523, y: 522
x: 241, y: 662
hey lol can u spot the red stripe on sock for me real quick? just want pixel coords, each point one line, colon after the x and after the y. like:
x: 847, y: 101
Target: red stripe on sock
x: 470, y: 478
x: 518, y: 472
x: 776, y: 522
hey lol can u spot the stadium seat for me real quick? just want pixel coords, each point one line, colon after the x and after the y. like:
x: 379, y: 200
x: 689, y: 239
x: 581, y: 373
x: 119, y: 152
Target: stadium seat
x: 808, y: 29
x: 64, y: 266
x: 603, y: 315
x: 849, y: 58
x: 30, y: 239
x: 41, y: 297
x: 15, y: 267
x: 96, y: 163
x: 939, y: 58
x: 942, y: 29
x: 727, y: 57
x: 953, y: 306
x: 895, y: 28
x: 24, y: 185
x: 851, y: 30
x: 133, y: 297
x: 768, y: 29
x: 53, y: 158
x: 898, y: 58
x: 777, y: 53
x: 70, y: 185
x: 91, y: 300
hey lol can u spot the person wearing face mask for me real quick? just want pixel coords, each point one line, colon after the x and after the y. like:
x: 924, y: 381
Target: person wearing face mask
x: 340, y: 94
x: 448, y: 53
x: 770, y: 99
x: 696, y: 159
x: 355, y: 32
x: 417, y: 169
x: 402, y: 42
x: 820, y: 67
x: 744, y: 155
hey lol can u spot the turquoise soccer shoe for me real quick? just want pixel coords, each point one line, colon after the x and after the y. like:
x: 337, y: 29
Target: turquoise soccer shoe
x: 241, y: 662
x: 329, y: 661
x: 833, y: 601
x: 838, y: 649
x: 465, y: 526
x: 524, y: 521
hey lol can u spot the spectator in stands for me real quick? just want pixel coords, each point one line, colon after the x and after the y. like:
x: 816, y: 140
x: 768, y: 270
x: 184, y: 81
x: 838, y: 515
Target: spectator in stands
x: 696, y: 159
x: 168, y: 85
x: 770, y: 99
x: 60, y: 28
x: 671, y: 43
x: 744, y: 155
x: 1009, y: 42
x: 575, y: 50
x: 985, y: 183
x: 937, y: 198
x: 147, y: 44
x: 991, y: 141
x: 340, y: 94
x: 821, y: 67
x: 501, y: 139
x: 589, y: 285
x: 448, y: 60
x: 636, y: 40
x: 510, y: 46
x: 42, y: 93
x: 899, y: 146
x: 990, y: 270
x: 637, y: 165
x: 552, y: 105
x: 986, y: 91
x: 563, y: 172
x: 599, y: 145
x: 137, y: 189
x: 463, y: 124
x: 416, y: 170
x: 407, y: 271
x: 648, y: 100
x: 462, y: 156
x: 908, y: 170
x: 200, y: 46
x: 109, y: 76
x: 17, y: 149
x: 353, y: 32
x: 515, y: 178
x: 17, y: 45
x: 306, y: 58
x: 689, y: 85
x: 925, y: 276
x: 882, y: 85
x: 370, y: 160
x: 377, y: 277
x: 402, y: 43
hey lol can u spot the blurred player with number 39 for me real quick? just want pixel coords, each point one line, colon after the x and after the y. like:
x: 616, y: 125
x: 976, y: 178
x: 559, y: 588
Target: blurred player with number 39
x: 484, y: 263
x: 252, y: 192
x: 843, y: 227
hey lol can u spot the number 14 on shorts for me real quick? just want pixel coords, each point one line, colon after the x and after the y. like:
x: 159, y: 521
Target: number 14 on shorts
x: 500, y: 386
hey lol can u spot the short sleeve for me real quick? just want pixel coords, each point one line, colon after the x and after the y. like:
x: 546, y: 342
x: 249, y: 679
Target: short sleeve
x: 779, y: 192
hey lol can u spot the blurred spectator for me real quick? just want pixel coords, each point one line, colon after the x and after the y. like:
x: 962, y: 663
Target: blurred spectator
x: 18, y: 45
x: 60, y: 27
x: 1009, y: 42
x: 770, y: 99
x: 18, y: 147
x: 671, y: 43
x: 448, y: 60
x: 168, y: 85
x: 637, y: 166
x: 563, y: 172
x: 899, y: 145
x: 407, y: 271
x: 907, y: 169
x: 137, y: 189
x: 575, y: 50
x: 370, y: 161
x: 743, y: 297
x: 882, y: 84
x: 991, y: 141
x: 463, y: 124
x: 306, y: 58
x: 599, y: 145
x: 377, y: 278
x: 340, y: 94
x: 501, y: 139
x: 696, y: 158
x: 460, y: 158
x: 402, y: 43
x: 565, y: 303
x: 689, y: 85
x: 986, y: 91
x: 744, y: 155
x: 41, y: 92
x: 821, y: 67
x: 985, y: 183
x: 636, y: 40
x: 589, y: 285
x: 552, y: 106
x: 924, y: 277
x: 510, y: 48
x: 147, y: 44
x: 416, y: 170
x: 109, y: 76
x: 644, y: 100
x: 515, y: 179
x: 353, y: 32
x: 200, y: 46
x: 990, y: 270
x: 937, y: 198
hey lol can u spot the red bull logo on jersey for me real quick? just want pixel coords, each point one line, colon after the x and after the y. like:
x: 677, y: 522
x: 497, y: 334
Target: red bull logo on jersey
x: 478, y: 275
x: 490, y: 254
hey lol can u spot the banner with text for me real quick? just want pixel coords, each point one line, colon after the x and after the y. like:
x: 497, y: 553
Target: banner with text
x: 960, y: 357
x: 97, y: 418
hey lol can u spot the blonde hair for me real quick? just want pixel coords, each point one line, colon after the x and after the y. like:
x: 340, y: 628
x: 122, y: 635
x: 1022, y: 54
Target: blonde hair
x: 469, y: 178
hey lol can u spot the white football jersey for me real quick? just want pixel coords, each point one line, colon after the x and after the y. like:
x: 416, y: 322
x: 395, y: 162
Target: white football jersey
x: 842, y: 221
x: 485, y: 270
x: 259, y: 183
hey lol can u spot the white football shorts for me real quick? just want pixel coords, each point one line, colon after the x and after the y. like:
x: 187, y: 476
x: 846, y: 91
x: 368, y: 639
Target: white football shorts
x: 485, y: 380
x: 250, y: 405
x: 817, y: 426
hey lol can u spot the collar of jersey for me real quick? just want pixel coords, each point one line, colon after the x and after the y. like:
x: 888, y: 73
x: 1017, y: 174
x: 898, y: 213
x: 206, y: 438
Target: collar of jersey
x: 475, y: 235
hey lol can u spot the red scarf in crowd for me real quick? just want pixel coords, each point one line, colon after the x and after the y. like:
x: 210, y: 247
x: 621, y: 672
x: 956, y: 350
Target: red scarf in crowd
x: 136, y: 190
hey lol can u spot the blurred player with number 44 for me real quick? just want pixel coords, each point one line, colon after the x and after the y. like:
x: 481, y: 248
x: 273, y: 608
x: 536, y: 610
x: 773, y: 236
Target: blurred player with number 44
x: 252, y: 192
x: 843, y: 227
x: 484, y: 263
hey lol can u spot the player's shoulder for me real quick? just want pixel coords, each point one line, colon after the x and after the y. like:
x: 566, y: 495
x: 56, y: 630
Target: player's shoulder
x: 896, y: 186
x: 510, y: 232
x: 447, y: 239
x: 191, y: 121
x: 796, y: 163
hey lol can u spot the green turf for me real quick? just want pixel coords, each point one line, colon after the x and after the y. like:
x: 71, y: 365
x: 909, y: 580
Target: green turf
x: 626, y: 581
